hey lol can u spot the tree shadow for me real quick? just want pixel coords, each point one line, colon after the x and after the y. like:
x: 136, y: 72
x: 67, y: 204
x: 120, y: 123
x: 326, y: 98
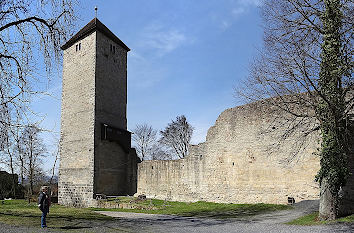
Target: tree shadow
x: 237, y: 213
x: 71, y: 227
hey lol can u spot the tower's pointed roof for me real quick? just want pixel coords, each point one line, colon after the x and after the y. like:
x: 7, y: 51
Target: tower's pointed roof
x: 94, y: 25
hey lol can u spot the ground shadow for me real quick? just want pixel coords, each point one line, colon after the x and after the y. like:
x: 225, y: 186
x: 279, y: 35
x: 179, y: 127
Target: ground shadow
x: 72, y: 227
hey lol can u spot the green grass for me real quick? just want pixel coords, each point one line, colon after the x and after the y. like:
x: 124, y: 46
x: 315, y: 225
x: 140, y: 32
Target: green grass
x: 197, y: 209
x: 312, y: 219
x: 19, y: 212
x: 348, y: 219
x: 307, y: 220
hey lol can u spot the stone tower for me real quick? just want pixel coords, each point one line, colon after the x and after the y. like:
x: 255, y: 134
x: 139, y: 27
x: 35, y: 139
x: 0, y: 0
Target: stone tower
x: 96, y: 155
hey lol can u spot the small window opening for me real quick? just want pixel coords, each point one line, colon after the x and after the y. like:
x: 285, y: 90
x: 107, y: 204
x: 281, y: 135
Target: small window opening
x: 291, y: 200
x: 152, y: 167
x: 233, y: 163
x: 114, y: 49
x: 110, y: 47
x: 79, y: 46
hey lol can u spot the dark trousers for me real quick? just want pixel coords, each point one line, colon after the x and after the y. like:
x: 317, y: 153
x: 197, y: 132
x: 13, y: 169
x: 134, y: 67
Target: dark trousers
x: 43, y: 218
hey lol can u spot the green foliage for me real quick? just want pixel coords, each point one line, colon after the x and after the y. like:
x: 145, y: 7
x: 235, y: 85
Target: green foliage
x: 331, y: 108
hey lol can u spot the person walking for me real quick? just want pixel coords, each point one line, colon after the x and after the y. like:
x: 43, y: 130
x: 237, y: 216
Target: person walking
x: 44, y: 204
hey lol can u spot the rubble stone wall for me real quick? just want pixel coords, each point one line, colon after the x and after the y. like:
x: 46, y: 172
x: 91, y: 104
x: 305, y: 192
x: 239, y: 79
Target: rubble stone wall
x: 240, y: 162
x: 94, y: 93
x: 76, y: 171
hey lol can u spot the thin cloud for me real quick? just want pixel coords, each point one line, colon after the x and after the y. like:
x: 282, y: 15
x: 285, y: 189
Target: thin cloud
x: 135, y: 56
x: 239, y: 8
x: 238, y: 11
x: 225, y: 24
x: 242, y: 6
x: 154, y: 42
x: 251, y: 2
x: 145, y: 75
x: 163, y: 40
x: 143, y: 72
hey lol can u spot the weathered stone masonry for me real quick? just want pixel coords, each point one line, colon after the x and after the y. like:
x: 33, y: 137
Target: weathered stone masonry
x: 238, y: 163
x: 96, y: 156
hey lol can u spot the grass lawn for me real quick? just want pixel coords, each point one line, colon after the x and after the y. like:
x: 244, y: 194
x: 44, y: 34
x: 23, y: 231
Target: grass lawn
x: 312, y: 219
x: 19, y: 212
x: 196, y: 209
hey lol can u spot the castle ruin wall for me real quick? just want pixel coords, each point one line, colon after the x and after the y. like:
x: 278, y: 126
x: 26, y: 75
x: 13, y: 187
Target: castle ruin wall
x: 240, y: 162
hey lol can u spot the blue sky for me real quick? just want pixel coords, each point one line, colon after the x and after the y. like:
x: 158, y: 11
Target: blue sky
x: 186, y: 57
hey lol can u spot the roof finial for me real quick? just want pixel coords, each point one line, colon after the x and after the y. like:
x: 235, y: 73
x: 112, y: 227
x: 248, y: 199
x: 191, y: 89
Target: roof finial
x: 96, y: 11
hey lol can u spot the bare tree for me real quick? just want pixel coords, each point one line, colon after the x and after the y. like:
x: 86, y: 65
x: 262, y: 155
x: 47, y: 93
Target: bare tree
x: 159, y: 152
x: 144, y: 137
x: 305, y: 70
x: 56, y: 157
x: 31, y: 32
x: 177, y: 136
x: 8, y: 148
x: 9, y: 141
x: 33, y: 151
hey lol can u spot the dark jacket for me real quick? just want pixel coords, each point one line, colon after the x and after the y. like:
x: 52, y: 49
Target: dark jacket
x: 44, y: 202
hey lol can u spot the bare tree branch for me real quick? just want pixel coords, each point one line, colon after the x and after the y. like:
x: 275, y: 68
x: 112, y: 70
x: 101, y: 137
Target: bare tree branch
x: 177, y: 136
x: 144, y: 137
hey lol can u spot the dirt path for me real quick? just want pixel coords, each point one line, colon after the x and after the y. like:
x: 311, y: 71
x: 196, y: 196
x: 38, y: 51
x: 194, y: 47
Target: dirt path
x: 300, y: 209
x: 269, y: 222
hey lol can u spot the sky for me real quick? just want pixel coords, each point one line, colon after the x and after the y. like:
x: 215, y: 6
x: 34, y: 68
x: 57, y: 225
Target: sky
x: 186, y: 58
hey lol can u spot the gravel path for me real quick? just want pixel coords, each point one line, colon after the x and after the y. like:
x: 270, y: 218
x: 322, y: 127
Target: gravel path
x: 300, y: 209
x: 132, y: 222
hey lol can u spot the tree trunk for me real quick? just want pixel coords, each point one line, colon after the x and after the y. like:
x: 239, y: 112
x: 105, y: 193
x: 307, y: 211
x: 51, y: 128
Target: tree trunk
x: 53, y: 170
x: 31, y: 182
x: 31, y: 173
x: 22, y: 172
x: 14, y: 182
x: 328, y: 203
x: 9, y: 153
x: 331, y: 113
